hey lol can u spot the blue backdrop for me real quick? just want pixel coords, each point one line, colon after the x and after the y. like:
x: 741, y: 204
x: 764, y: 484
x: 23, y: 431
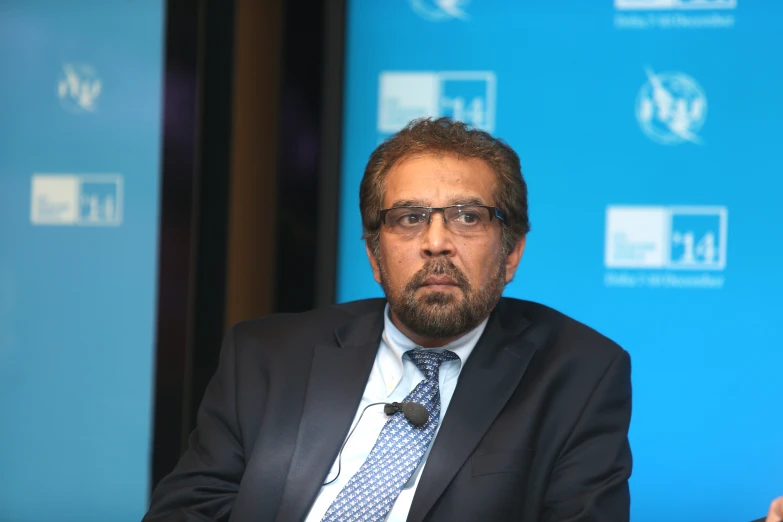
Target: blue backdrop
x: 80, y: 103
x: 649, y: 135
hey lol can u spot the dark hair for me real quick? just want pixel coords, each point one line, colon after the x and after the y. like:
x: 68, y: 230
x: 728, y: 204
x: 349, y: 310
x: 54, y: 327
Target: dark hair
x: 446, y: 136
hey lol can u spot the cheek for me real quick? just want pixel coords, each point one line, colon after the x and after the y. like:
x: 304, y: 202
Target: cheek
x: 481, y: 260
x: 400, y: 262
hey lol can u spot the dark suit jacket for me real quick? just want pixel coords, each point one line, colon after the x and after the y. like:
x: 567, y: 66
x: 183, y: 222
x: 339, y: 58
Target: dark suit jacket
x: 536, y: 429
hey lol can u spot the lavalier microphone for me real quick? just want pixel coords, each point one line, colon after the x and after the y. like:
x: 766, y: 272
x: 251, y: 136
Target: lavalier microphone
x: 416, y: 414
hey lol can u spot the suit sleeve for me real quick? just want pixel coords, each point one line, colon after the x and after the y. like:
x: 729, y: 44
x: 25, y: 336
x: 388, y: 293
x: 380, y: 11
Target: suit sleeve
x: 203, y: 485
x: 589, y: 482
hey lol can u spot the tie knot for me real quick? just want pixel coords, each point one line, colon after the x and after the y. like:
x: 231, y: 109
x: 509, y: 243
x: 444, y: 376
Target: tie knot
x: 429, y: 361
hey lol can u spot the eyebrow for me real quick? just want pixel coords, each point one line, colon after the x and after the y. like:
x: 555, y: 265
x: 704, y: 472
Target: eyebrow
x: 461, y: 200
x: 457, y: 200
x: 409, y: 203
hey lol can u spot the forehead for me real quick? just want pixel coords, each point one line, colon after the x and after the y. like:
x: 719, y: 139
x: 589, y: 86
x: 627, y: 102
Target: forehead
x: 439, y: 180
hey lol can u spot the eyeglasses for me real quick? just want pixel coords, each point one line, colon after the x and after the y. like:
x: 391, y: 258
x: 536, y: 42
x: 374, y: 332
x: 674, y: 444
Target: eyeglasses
x: 464, y: 220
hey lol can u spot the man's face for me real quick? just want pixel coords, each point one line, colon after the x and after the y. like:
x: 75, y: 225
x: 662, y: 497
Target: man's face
x: 439, y: 283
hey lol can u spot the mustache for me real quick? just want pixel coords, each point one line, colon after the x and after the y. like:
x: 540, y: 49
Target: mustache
x: 437, y: 267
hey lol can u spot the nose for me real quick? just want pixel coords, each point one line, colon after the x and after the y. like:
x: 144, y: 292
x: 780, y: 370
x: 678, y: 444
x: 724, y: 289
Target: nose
x: 437, y: 240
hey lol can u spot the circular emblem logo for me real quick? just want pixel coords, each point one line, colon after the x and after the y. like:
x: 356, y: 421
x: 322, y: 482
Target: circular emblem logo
x: 671, y: 108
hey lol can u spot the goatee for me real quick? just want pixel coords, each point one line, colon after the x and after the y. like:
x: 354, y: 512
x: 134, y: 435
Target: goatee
x: 440, y: 315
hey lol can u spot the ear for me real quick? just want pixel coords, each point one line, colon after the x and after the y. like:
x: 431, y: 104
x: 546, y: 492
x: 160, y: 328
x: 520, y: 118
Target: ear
x: 376, y: 269
x: 513, y: 259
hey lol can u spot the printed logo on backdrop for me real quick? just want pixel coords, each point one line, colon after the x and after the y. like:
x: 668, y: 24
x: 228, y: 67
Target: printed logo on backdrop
x: 674, y: 14
x: 65, y: 199
x: 440, y: 10
x: 671, y: 108
x: 665, y: 246
x: 467, y: 96
x: 78, y: 88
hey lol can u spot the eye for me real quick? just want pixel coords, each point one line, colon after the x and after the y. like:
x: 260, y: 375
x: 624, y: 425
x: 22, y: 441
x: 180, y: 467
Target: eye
x: 468, y: 217
x: 409, y: 220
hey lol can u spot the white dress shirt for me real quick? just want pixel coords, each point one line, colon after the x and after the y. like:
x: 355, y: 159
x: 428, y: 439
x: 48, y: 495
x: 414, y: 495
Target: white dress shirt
x: 392, y: 378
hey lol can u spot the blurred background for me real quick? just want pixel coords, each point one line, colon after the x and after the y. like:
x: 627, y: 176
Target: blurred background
x: 169, y: 168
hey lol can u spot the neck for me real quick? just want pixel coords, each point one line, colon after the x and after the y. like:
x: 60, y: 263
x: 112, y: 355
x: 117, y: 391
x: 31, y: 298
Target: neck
x: 424, y: 342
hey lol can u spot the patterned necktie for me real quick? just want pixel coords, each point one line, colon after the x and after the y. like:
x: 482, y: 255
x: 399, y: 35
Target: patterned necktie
x: 370, y: 494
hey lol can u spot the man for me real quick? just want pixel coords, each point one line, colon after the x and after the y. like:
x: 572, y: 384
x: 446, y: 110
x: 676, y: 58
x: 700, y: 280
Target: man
x: 527, y: 411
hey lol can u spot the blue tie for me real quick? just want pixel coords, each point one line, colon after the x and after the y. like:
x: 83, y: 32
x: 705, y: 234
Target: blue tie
x: 371, y: 492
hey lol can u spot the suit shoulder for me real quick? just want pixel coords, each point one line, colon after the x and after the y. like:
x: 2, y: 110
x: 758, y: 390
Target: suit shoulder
x: 562, y: 330
x: 312, y: 325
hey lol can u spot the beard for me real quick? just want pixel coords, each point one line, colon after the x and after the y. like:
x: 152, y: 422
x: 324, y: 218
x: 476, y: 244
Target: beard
x: 440, y: 315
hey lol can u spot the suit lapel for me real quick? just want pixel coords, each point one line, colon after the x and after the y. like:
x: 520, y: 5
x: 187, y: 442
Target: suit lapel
x: 338, y: 376
x: 485, y: 384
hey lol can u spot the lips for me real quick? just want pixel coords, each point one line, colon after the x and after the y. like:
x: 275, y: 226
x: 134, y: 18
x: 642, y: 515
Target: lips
x: 439, y: 274
x: 441, y: 280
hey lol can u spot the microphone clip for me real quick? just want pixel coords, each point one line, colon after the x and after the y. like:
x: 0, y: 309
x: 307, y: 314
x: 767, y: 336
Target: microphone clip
x: 392, y: 408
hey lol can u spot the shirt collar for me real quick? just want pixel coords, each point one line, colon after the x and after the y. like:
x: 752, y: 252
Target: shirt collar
x: 394, y: 344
